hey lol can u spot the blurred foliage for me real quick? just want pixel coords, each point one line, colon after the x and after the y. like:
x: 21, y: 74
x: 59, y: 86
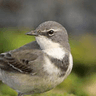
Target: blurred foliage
x: 83, y: 49
x: 11, y: 38
x: 82, y: 80
x: 84, y: 54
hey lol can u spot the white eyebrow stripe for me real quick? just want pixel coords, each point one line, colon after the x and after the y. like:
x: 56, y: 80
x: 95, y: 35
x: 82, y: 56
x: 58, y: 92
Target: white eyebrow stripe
x: 52, y: 29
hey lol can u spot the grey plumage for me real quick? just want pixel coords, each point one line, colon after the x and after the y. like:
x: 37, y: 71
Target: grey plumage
x: 20, y: 58
x: 37, y: 66
x: 61, y: 64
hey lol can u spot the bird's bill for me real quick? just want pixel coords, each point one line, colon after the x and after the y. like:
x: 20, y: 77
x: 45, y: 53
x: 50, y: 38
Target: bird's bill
x: 33, y: 33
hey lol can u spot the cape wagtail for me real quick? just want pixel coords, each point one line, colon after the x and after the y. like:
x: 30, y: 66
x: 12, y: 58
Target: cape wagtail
x: 40, y: 65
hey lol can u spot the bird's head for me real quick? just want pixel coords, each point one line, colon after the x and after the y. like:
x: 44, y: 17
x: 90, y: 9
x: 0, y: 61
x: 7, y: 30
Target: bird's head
x: 50, y: 34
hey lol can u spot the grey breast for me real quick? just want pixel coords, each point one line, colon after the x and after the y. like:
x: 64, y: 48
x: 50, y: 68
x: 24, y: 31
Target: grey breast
x: 61, y: 64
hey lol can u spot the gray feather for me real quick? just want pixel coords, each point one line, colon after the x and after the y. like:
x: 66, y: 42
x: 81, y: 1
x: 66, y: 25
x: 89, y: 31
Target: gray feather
x: 19, y: 59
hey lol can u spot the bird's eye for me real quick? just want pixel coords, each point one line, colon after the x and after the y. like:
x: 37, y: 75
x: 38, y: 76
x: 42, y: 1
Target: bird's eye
x: 51, y: 33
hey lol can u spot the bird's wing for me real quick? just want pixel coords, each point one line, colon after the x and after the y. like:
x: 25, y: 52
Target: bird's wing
x: 19, y: 59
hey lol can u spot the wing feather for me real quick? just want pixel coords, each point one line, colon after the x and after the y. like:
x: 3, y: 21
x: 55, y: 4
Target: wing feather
x: 19, y: 59
x: 6, y: 60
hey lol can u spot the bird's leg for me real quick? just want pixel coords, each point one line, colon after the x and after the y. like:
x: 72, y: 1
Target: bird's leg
x: 20, y: 94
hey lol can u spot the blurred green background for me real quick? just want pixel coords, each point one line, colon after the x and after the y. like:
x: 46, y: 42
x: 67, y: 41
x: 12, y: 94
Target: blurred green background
x: 82, y: 80
x: 77, y: 16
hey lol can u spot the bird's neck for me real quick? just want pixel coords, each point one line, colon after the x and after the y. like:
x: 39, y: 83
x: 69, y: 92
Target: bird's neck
x: 57, y: 53
x: 46, y: 43
x: 50, y: 47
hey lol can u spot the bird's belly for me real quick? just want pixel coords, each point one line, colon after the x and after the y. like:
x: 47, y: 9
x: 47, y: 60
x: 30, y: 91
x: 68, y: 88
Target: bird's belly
x: 30, y: 84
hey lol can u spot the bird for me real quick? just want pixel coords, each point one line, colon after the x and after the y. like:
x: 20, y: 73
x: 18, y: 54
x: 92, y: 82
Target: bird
x: 40, y: 65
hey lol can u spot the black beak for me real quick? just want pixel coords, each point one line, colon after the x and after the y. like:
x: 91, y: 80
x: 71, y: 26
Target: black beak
x: 33, y: 33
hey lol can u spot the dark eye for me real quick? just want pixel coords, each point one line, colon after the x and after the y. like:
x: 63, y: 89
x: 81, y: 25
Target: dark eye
x: 51, y: 33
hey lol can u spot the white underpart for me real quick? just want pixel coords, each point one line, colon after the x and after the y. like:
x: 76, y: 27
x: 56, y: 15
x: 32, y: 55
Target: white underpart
x: 58, y: 53
x: 50, y: 68
x: 46, y: 43
x: 51, y: 48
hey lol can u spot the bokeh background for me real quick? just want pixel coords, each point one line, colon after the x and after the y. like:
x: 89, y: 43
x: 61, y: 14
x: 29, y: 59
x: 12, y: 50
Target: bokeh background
x: 79, y: 18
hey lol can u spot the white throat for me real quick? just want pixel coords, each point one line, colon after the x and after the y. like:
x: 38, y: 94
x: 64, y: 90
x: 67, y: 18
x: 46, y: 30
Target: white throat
x: 51, y: 48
